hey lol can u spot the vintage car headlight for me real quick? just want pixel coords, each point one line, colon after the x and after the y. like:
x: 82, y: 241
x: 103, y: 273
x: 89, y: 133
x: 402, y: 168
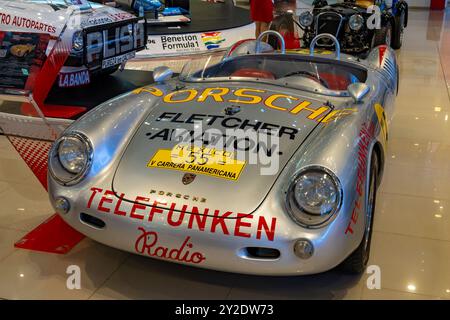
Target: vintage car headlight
x: 306, y: 19
x: 70, y: 158
x: 314, y: 197
x: 78, y: 41
x: 355, y: 22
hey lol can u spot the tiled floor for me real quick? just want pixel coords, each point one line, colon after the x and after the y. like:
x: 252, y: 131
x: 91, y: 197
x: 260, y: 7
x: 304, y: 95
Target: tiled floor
x: 411, y: 242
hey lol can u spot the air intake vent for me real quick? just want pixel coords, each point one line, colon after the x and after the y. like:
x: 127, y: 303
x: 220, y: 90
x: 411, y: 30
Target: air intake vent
x: 389, y: 69
x: 92, y: 221
x: 260, y: 253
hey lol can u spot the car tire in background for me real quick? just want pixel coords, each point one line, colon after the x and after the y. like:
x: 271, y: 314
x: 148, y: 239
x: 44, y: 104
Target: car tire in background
x: 356, y: 263
x: 397, y: 35
x: 382, y: 35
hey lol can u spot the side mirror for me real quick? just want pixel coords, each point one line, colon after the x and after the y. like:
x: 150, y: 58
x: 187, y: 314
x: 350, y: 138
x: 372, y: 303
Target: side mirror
x: 161, y: 74
x: 358, y: 91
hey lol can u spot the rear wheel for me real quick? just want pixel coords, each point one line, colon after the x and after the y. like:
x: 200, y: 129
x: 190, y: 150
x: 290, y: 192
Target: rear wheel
x: 399, y: 27
x: 356, y: 263
x: 382, y: 36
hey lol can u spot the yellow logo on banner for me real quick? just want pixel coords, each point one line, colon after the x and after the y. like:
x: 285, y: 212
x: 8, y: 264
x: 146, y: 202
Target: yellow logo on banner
x: 198, y: 160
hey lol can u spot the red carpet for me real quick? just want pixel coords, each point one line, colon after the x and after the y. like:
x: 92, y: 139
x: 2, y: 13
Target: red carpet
x: 53, y: 236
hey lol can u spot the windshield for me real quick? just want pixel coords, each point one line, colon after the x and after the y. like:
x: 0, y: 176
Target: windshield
x: 295, y: 71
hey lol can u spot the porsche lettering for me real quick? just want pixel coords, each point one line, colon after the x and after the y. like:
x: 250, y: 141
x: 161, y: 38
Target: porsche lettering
x: 279, y: 102
x: 198, y: 160
x: 178, y: 195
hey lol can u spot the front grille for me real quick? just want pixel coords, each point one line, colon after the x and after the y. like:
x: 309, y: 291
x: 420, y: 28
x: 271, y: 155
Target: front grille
x: 328, y: 22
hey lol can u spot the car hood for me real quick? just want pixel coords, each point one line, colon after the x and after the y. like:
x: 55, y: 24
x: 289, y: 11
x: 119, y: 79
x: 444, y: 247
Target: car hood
x: 147, y: 168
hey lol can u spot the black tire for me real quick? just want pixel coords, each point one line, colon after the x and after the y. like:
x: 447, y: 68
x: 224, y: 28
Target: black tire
x: 397, y: 35
x: 398, y: 80
x: 356, y: 263
x: 382, y: 36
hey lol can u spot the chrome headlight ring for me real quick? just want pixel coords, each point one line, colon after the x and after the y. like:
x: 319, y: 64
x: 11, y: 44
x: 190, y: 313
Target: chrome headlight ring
x: 57, y: 169
x: 356, y: 22
x: 306, y: 19
x: 78, y: 41
x: 308, y: 219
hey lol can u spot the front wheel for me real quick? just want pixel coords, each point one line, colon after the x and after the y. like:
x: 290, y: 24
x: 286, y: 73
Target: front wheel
x: 356, y: 263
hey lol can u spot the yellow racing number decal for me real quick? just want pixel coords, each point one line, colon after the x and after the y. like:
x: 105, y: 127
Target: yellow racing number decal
x: 198, y: 160
x: 379, y: 110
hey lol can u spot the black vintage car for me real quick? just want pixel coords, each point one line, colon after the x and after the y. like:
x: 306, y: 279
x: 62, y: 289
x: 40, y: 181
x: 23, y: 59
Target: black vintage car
x: 353, y: 24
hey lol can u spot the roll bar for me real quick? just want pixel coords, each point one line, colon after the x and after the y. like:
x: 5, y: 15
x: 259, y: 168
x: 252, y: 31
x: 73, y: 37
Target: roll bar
x: 325, y: 35
x: 270, y: 32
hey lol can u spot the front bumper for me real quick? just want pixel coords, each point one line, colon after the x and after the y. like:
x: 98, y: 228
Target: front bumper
x: 206, y: 243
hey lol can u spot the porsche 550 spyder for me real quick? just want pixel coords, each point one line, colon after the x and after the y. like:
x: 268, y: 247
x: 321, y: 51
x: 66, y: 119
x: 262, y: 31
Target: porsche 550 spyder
x: 264, y: 163
x: 97, y: 38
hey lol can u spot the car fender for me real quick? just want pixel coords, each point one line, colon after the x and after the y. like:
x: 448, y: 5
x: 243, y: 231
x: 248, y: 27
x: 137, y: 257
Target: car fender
x: 338, y: 147
x: 110, y: 126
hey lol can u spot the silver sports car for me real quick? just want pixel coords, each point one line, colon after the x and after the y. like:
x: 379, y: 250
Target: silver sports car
x: 266, y: 162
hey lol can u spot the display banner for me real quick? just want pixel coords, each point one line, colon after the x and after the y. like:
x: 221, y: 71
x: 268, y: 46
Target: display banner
x: 22, y: 56
x: 192, y: 43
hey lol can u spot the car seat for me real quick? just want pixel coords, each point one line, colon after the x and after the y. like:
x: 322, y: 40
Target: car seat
x: 253, y: 73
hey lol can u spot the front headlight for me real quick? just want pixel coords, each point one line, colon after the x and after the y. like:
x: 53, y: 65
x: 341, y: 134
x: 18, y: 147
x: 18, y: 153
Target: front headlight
x: 70, y: 158
x: 314, y: 197
x: 306, y: 19
x: 78, y: 41
x: 355, y: 22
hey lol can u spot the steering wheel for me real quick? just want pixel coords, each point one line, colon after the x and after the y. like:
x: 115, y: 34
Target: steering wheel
x: 309, y: 75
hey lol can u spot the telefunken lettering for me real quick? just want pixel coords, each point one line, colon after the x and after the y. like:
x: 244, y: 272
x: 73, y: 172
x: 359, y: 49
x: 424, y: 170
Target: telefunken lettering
x: 207, y: 220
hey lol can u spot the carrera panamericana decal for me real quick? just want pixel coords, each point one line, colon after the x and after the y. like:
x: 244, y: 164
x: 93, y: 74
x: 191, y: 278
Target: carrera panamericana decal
x: 199, y: 160
x: 208, y: 220
x: 147, y: 243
